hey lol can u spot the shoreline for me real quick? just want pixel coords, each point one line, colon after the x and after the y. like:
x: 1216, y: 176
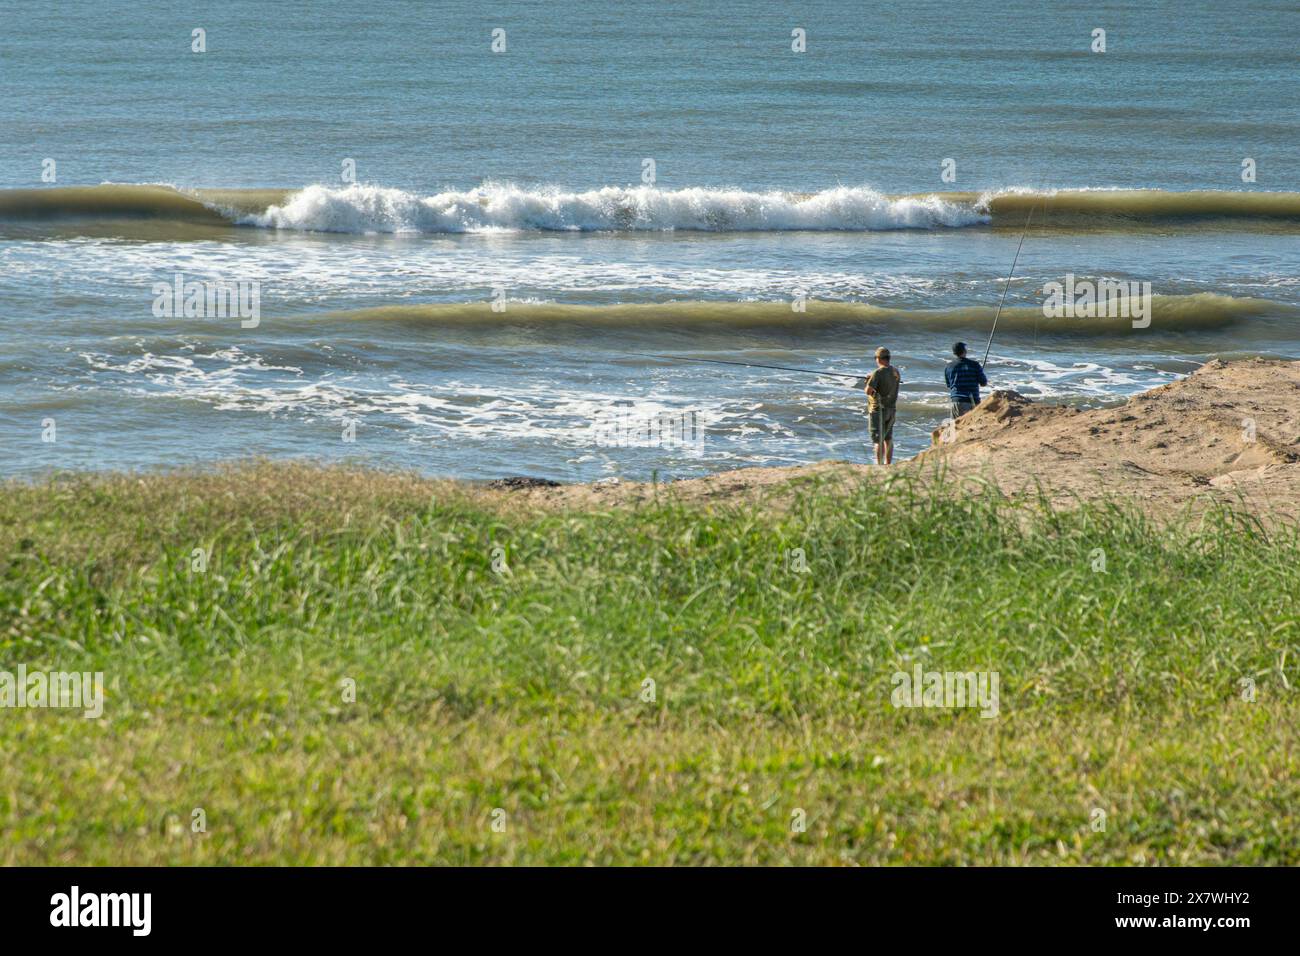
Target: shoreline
x: 1227, y: 434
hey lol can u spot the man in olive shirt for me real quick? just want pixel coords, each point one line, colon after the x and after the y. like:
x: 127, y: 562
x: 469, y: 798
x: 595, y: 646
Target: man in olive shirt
x: 882, y: 397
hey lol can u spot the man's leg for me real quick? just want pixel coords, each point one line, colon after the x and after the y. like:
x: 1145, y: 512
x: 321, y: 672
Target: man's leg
x: 889, y: 452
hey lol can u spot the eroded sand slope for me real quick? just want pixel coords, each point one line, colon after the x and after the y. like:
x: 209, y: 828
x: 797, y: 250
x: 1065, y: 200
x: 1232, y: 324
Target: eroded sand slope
x: 1228, y: 432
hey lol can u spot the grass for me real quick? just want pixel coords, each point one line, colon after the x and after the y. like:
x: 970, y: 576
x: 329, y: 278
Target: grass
x: 502, y: 716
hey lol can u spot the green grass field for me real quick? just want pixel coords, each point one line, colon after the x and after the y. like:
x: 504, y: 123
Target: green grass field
x: 502, y: 715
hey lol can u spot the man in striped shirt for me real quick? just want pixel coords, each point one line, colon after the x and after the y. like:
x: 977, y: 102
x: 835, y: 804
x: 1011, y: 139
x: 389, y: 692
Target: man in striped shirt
x: 964, y: 377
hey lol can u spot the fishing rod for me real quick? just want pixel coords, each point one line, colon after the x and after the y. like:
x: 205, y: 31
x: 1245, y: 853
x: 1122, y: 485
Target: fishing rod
x: 1006, y: 287
x: 783, y: 368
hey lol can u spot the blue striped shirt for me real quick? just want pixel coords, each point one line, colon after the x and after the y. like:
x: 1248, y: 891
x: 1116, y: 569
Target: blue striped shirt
x: 964, y: 378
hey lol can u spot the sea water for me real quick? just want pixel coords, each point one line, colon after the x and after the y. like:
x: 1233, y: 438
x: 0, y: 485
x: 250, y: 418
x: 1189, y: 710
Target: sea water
x: 479, y: 237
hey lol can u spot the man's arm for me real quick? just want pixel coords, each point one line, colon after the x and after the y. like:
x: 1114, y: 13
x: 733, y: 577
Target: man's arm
x: 983, y: 381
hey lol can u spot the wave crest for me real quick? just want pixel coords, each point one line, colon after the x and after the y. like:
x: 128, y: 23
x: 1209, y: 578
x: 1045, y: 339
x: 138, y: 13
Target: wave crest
x: 363, y: 209
x: 1170, y: 313
x: 375, y: 209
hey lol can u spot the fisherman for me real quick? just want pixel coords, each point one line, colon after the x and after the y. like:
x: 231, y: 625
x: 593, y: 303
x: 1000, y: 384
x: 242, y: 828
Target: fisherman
x: 964, y: 377
x: 882, y: 398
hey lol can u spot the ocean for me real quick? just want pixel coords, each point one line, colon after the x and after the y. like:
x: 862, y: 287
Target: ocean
x: 540, y: 238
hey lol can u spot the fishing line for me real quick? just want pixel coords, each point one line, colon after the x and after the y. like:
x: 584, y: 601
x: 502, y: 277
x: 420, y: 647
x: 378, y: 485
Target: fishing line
x: 1006, y: 287
x: 857, y: 377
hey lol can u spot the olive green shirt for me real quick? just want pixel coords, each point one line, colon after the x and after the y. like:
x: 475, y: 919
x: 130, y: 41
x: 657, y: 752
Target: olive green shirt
x: 885, y: 380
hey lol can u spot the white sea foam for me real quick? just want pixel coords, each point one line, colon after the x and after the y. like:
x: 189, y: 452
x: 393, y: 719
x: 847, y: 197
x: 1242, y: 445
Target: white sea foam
x: 374, y: 209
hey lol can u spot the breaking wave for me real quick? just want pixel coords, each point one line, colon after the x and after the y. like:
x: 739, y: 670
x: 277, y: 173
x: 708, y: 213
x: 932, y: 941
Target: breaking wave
x: 368, y: 209
x: 373, y: 209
